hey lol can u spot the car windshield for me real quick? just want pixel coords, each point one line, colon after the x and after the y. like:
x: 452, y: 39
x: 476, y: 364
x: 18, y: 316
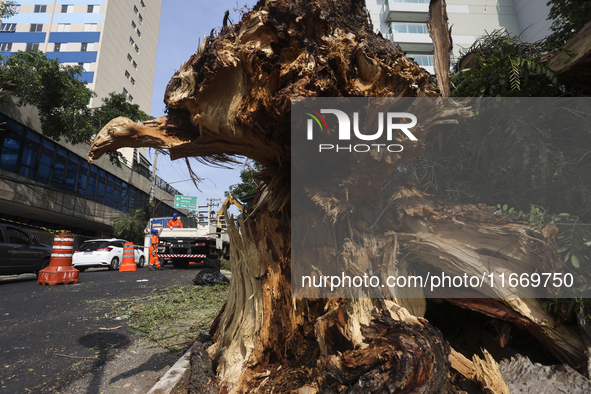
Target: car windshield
x: 93, y: 245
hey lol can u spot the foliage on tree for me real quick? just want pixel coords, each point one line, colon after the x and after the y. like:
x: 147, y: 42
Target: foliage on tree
x: 130, y: 226
x: 568, y: 18
x: 62, y: 98
x: 499, y: 64
x: 58, y: 92
x: 518, y: 164
x: 116, y: 105
x: 192, y: 214
x: 7, y: 9
x: 248, y: 187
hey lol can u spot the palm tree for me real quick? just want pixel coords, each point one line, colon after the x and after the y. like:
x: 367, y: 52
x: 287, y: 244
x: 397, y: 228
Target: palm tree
x: 130, y: 226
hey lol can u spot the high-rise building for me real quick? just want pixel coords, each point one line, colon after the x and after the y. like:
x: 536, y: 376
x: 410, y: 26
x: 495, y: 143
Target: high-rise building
x: 404, y: 22
x: 48, y: 183
x: 115, y: 41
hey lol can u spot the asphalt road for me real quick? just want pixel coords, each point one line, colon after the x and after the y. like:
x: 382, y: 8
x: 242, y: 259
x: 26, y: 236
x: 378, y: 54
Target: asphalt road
x: 52, y: 335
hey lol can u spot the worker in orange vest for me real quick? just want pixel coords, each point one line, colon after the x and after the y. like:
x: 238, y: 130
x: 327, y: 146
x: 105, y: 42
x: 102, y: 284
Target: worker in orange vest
x: 175, y: 222
x: 154, y: 262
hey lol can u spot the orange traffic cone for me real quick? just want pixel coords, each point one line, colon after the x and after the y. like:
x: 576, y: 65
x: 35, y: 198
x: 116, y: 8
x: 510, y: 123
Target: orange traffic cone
x: 128, y: 263
x: 60, y: 268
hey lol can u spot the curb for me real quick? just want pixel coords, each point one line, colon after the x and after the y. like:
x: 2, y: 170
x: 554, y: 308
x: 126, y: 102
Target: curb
x: 176, y: 379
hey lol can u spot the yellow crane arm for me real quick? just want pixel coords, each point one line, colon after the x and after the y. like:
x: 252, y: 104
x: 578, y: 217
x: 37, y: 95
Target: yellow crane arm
x: 230, y: 200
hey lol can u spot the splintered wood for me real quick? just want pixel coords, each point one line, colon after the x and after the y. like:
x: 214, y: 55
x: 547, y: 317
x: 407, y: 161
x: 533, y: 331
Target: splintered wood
x: 233, y: 98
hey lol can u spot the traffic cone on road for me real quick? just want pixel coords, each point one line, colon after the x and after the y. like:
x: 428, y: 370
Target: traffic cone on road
x: 60, y: 268
x: 128, y: 263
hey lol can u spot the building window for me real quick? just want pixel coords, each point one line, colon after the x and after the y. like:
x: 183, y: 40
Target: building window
x: 141, y: 18
x: 8, y: 27
x: 129, y: 57
x: 131, y: 41
x: 130, y: 98
x: 412, y: 28
x: 5, y: 47
x: 58, y: 47
x: 36, y: 27
x: 90, y: 27
x: 127, y: 74
x: 12, y: 145
x: 133, y: 24
x: 142, y: 3
x: 67, y: 8
x: 63, y: 27
x: 134, y: 64
x: 40, y: 9
x: 132, y: 81
x: 59, y: 167
x: 139, y: 33
x: 92, y: 9
x: 423, y: 60
x: 71, y: 173
x: 137, y: 49
x: 84, y: 47
x: 92, y: 182
x: 32, y: 47
x: 82, y: 178
x: 85, y: 66
x: 32, y: 143
x: 135, y: 9
x: 125, y: 92
x: 15, y: 9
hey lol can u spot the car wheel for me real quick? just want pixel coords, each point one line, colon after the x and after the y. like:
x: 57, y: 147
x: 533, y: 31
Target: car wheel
x: 141, y: 263
x: 114, y: 264
x: 43, y: 266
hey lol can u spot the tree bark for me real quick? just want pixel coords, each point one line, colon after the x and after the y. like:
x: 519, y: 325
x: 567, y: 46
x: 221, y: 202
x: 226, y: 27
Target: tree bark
x: 233, y: 98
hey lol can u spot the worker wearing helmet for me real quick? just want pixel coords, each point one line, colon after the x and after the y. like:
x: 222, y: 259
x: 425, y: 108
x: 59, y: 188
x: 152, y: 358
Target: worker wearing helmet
x: 175, y: 222
x: 154, y: 262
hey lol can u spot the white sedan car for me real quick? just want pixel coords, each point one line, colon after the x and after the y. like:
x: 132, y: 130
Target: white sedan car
x: 104, y: 253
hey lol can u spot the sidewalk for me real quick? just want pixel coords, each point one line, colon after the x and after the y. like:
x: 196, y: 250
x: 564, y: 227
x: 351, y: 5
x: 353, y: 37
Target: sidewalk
x: 136, y: 369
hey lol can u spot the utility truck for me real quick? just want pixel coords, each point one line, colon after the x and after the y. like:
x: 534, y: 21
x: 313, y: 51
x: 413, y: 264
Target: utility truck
x: 203, y: 242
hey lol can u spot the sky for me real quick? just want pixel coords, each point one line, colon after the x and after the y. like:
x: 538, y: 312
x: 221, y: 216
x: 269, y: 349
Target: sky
x: 182, y: 24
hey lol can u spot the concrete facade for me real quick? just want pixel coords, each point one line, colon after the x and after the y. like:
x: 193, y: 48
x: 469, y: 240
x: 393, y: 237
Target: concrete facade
x: 70, y: 204
x: 115, y: 41
x: 404, y: 23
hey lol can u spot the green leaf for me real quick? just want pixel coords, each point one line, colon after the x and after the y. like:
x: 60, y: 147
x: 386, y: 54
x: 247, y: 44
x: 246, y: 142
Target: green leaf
x: 575, y: 261
x: 505, y: 207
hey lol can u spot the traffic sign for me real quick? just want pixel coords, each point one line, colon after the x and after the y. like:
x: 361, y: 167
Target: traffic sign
x: 185, y: 202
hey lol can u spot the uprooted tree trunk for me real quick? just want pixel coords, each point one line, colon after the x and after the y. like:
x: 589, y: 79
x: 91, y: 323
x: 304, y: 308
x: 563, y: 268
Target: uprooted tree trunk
x: 233, y: 98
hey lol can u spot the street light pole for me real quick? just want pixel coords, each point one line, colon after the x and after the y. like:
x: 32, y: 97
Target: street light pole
x: 153, y: 188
